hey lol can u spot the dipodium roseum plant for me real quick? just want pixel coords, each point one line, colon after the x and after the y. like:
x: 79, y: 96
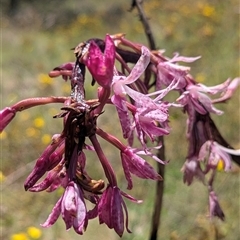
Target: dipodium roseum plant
x: 143, y: 116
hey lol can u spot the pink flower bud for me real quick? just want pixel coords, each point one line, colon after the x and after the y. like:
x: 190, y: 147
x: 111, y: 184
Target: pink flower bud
x: 100, y: 64
x: 6, y: 116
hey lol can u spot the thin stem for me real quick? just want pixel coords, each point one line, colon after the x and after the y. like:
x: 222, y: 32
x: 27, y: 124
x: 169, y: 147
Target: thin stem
x: 111, y: 139
x: 146, y: 26
x: 103, y: 94
x: 33, y: 102
x: 105, y: 164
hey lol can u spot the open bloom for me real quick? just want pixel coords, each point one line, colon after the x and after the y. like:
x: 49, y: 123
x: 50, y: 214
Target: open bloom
x: 168, y: 71
x: 196, y: 94
x: 100, y: 64
x: 229, y: 91
x: 146, y: 110
x: 119, y: 87
x: 150, y: 116
x: 212, y: 152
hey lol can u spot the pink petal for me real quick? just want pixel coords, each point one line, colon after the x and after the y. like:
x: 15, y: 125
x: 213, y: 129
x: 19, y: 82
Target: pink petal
x: 139, y: 67
x: 52, y: 218
x: 123, y: 114
x: 117, y: 212
x: 80, y: 221
x: 104, y: 207
x: 131, y: 198
x: 126, y: 170
x: 68, y: 206
x: 178, y: 58
x: 101, y: 65
x: 140, y: 167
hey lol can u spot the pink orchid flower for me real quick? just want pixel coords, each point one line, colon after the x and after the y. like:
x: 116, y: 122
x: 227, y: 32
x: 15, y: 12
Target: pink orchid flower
x: 101, y: 65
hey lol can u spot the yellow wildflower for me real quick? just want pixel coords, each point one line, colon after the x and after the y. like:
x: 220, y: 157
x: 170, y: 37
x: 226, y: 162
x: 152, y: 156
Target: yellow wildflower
x: 45, y: 79
x: 19, y: 236
x: 208, y: 11
x: 39, y: 122
x: 34, y: 232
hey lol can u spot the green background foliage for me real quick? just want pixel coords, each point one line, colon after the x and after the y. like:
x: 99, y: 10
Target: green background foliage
x: 38, y: 35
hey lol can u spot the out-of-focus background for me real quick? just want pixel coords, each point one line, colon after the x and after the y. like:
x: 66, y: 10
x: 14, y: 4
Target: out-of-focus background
x: 37, y: 36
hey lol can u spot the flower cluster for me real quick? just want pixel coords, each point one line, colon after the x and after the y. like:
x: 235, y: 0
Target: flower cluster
x: 142, y: 113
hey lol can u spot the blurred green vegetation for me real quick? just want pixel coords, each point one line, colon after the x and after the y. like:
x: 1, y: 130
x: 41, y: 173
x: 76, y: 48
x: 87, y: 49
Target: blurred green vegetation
x: 38, y: 35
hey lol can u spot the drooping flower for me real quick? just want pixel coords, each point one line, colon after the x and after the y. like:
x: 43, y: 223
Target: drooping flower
x: 212, y: 152
x: 55, y: 178
x: 214, y: 206
x: 64, y: 160
x: 200, y: 129
x: 101, y: 65
x: 73, y: 209
x: 110, y: 209
x: 44, y: 162
x: 192, y: 169
x: 168, y: 71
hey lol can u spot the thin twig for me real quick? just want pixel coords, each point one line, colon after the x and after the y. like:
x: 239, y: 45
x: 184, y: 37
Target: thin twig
x: 144, y: 20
